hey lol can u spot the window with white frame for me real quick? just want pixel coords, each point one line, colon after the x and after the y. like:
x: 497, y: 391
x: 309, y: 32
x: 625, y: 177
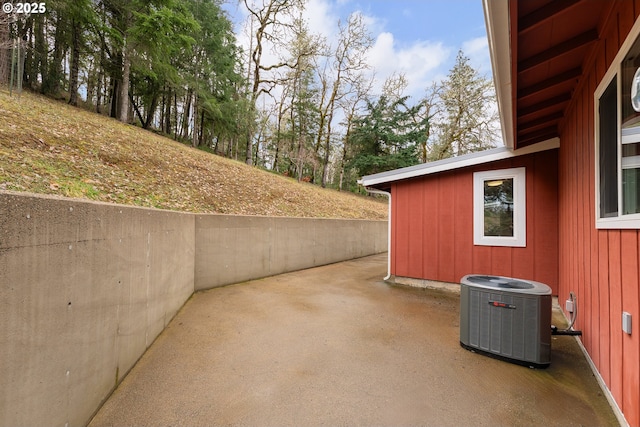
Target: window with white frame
x: 499, y: 208
x: 617, y: 112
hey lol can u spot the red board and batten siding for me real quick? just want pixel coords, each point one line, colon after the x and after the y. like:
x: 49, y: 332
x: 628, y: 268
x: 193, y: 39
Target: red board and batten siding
x: 432, y: 226
x: 602, y: 267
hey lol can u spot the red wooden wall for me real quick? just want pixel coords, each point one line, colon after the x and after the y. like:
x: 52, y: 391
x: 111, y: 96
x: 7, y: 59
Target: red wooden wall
x: 600, y: 266
x: 432, y: 226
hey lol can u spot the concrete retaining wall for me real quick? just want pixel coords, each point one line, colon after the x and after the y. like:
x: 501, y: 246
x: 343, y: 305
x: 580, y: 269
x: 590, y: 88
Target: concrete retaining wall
x: 232, y: 249
x: 86, y: 287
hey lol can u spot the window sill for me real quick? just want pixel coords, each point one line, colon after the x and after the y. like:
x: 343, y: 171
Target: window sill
x: 505, y: 242
x: 619, y: 223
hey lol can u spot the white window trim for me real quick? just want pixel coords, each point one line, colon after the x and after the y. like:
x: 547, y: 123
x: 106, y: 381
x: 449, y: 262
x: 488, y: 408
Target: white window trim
x: 519, y: 238
x: 631, y: 221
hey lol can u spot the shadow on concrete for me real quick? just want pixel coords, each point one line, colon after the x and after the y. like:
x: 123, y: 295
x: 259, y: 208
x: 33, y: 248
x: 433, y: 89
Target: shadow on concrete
x: 335, y: 345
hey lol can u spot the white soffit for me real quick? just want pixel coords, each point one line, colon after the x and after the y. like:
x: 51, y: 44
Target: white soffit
x: 452, y: 163
x: 496, y: 16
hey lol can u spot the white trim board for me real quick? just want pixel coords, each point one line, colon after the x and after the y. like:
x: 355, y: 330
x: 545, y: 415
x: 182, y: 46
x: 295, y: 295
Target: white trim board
x: 453, y: 163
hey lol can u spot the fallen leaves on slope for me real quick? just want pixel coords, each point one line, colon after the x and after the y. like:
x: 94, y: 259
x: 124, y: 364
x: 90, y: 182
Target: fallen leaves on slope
x: 50, y: 148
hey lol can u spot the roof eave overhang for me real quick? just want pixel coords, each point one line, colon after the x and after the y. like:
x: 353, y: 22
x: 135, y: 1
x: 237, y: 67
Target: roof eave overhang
x: 382, y: 180
x: 498, y: 22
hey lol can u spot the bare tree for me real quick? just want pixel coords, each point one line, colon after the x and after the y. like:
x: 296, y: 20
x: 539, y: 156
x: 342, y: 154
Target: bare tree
x: 348, y: 59
x: 268, y: 25
x: 431, y: 108
x: 281, y: 112
x: 394, y: 86
x: 305, y: 48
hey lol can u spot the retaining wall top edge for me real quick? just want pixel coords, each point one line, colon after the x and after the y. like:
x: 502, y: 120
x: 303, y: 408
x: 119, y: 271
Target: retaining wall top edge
x: 54, y: 197
x: 220, y: 215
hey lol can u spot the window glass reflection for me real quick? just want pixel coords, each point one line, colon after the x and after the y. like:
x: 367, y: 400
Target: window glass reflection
x: 498, y: 207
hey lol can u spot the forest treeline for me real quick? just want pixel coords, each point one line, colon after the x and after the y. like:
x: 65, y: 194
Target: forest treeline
x: 293, y: 102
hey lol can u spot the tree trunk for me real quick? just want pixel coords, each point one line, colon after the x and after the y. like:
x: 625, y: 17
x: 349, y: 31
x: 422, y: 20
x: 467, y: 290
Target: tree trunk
x: 126, y: 69
x: 40, y: 48
x: 5, y: 44
x: 75, y: 63
x: 124, y: 88
x: 344, y: 151
x: 102, y: 81
x: 114, y: 98
x: 185, y: 116
x: 248, y: 157
x: 150, y: 112
x: 167, y: 115
x: 217, y: 143
x: 229, y: 150
x: 91, y: 84
x: 255, y: 160
x: 99, y: 90
x: 136, y: 110
x: 300, y: 164
x: 327, y: 149
x: 51, y: 84
x: 201, y: 135
x: 175, y: 111
x: 194, y: 136
x: 30, y: 67
x: 163, y: 107
x: 277, y: 154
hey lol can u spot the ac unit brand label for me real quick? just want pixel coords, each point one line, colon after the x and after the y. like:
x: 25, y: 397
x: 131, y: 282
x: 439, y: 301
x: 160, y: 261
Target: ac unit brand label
x: 502, y: 305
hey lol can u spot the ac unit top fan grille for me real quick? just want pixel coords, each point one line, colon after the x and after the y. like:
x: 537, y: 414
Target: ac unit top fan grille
x: 507, y: 284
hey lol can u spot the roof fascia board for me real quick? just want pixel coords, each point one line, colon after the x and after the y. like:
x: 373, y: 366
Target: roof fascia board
x: 463, y: 161
x: 496, y: 14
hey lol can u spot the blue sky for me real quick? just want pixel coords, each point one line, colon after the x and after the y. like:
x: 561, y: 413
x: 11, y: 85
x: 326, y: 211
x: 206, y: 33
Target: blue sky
x: 419, y: 38
x: 449, y: 21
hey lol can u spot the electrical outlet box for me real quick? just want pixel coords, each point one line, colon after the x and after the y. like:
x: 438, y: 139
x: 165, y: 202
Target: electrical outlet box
x: 568, y: 305
x: 626, y: 322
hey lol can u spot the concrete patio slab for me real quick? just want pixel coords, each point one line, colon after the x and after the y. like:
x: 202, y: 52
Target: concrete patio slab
x: 335, y: 345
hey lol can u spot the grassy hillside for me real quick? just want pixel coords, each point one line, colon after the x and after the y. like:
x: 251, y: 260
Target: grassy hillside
x: 48, y: 147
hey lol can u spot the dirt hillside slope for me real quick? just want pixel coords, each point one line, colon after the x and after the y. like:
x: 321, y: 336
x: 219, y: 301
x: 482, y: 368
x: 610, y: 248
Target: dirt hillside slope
x: 51, y: 148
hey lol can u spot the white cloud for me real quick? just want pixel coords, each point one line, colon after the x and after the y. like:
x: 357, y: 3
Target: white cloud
x: 322, y: 18
x: 477, y: 50
x: 421, y: 62
x: 474, y: 46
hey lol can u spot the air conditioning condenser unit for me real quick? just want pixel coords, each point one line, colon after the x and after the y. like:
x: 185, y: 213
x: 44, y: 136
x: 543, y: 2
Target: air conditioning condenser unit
x: 506, y: 318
